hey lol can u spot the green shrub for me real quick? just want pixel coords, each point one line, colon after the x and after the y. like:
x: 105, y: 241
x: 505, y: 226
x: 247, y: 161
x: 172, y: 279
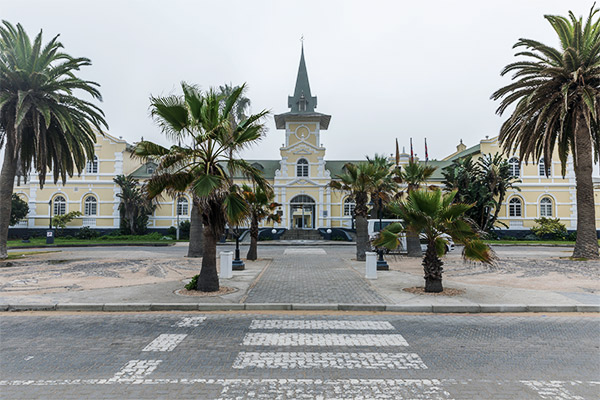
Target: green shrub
x: 193, y: 283
x: 172, y: 231
x: 184, y: 230
x: 509, y: 238
x: 571, y: 236
x: 549, y: 228
x: 530, y: 236
x: 87, y: 233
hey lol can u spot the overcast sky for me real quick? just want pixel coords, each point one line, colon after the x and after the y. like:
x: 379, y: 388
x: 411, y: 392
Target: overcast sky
x: 382, y: 69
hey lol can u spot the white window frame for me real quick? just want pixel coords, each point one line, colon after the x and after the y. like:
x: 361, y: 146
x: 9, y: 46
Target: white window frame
x: 302, y: 168
x: 514, y: 165
x: 59, y: 205
x: 541, y: 168
x: 349, y: 206
x: 90, y: 206
x: 546, y: 205
x: 92, y: 166
x: 182, y: 208
x: 515, y: 204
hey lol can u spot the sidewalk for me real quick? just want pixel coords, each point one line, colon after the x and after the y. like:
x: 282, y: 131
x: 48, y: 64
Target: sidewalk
x: 296, y: 277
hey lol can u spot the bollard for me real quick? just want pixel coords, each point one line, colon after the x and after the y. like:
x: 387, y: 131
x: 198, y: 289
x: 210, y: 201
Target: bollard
x: 371, y: 265
x: 226, y: 261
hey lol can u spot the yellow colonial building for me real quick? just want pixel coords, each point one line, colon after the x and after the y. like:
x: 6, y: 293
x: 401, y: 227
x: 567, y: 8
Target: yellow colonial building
x: 300, y: 178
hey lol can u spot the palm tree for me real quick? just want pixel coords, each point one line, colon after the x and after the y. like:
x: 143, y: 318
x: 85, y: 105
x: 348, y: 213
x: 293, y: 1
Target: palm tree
x: 433, y: 213
x: 208, y: 165
x: 556, y: 96
x: 359, y: 180
x: 413, y: 176
x: 135, y: 207
x: 260, y: 207
x: 386, y: 187
x: 43, y: 125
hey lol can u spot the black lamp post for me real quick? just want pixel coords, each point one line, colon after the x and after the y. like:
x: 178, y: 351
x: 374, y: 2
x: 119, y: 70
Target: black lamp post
x: 382, y: 265
x: 237, y: 264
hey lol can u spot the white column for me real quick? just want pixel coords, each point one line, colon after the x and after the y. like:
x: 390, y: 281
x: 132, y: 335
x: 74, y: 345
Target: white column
x: 371, y: 265
x: 226, y: 268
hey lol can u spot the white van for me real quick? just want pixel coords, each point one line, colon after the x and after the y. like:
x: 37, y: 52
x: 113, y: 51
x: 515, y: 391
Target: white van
x: 374, y: 227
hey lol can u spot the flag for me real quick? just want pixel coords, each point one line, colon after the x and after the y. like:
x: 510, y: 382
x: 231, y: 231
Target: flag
x: 426, y: 154
x: 412, y: 154
x: 397, y: 153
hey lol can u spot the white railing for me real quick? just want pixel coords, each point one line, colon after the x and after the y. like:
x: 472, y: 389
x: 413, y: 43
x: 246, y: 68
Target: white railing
x: 516, y: 223
x: 89, y: 222
x: 22, y: 224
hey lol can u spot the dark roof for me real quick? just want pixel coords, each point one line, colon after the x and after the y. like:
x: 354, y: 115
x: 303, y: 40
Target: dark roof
x: 142, y: 171
x: 336, y: 167
x: 268, y: 167
x: 302, y: 104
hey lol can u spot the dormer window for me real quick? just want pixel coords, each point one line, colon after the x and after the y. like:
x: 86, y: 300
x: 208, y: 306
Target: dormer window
x: 150, y: 168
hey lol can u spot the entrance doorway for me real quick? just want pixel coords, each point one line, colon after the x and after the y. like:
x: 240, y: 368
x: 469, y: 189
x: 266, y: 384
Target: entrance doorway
x: 302, y: 211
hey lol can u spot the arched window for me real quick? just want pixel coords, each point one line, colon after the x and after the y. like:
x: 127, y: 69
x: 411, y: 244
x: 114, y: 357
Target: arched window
x: 546, y: 207
x: 92, y: 166
x: 515, y: 207
x: 514, y: 166
x: 60, y: 206
x: 90, y: 206
x: 542, y: 169
x: 302, y: 167
x: 182, y: 206
x: 349, y: 205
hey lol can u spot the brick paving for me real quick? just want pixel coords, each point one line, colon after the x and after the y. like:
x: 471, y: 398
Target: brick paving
x: 312, y: 275
x: 447, y: 357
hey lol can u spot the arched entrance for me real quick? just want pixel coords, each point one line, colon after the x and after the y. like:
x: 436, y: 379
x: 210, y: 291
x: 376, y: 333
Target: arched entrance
x: 302, y: 211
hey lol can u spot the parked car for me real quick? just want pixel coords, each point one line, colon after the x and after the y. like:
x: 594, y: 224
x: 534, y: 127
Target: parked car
x: 373, y: 227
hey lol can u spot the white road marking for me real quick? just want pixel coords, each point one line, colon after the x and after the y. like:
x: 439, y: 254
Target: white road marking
x: 319, y: 324
x: 189, y: 322
x: 135, y: 371
x: 304, y: 250
x: 552, y: 389
x: 165, y: 342
x: 302, y: 360
x: 322, y: 339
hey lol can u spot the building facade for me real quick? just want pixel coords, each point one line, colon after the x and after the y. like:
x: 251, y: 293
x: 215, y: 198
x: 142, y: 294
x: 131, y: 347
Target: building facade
x: 300, y: 178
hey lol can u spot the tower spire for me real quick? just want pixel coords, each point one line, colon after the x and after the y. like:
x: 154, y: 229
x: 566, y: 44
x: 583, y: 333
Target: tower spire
x: 302, y: 101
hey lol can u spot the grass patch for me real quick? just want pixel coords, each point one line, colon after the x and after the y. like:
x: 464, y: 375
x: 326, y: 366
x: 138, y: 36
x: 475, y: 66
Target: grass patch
x: 36, y: 242
x: 517, y: 242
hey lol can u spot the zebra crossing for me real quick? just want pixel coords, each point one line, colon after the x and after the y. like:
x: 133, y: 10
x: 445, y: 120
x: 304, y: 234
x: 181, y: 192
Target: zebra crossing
x: 308, y: 359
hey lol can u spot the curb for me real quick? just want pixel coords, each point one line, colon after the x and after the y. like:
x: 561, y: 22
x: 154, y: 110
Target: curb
x: 55, y: 246
x: 408, y: 308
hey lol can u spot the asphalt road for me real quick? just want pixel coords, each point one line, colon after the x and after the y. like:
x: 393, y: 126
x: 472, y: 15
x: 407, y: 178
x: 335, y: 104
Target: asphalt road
x: 290, y: 356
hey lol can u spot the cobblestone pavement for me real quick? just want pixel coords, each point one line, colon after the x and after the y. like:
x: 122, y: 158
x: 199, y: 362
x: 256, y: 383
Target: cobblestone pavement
x: 342, y: 356
x: 312, y: 275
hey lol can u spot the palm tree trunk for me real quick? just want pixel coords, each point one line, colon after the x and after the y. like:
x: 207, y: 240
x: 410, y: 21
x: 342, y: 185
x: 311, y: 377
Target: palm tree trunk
x: 432, y: 266
x: 586, y: 245
x: 7, y: 180
x: 362, y: 237
x: 208, y: 281
x: 253, y: 250
x: 195, y: 248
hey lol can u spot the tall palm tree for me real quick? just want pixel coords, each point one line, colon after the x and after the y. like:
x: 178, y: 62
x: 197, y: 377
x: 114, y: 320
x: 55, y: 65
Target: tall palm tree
x: 413, y: 176
x: 386, y: 187
x: 208, y: 165
x: 359, y: 180
x: 434, y: 214
x: 135, y: 207
x: 43, y: 125
x: 556, y: 96
x: 260, y: 206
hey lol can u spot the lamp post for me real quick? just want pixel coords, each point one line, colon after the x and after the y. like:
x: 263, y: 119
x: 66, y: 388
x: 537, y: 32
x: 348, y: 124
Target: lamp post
x: 177, y: 212
x: 50, y: 232
x: 237, y: 264
x: 382, y: 265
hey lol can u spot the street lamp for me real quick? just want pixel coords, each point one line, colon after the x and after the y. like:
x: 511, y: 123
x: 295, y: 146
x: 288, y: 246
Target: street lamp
x: 382, y: 265
x: 50, y: 232
x: 237, y: 264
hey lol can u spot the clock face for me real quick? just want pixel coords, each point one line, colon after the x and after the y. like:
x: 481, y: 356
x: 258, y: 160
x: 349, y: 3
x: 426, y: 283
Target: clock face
x: 302, y: 133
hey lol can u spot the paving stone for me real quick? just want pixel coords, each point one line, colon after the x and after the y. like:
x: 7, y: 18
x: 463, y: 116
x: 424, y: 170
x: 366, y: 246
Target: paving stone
x: 588, y: 308
x: 456, y: 308
x: 418, y: 308
x: 31, y: 307
x: 173, y: 307
x: 308, y: 277
x: 361, y: 307
x: 503, y: 308
x: 315, y: 307
x: 551, y: 308
x: 220, y: 307
x: 126, y: 307
x: 267, y: 306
